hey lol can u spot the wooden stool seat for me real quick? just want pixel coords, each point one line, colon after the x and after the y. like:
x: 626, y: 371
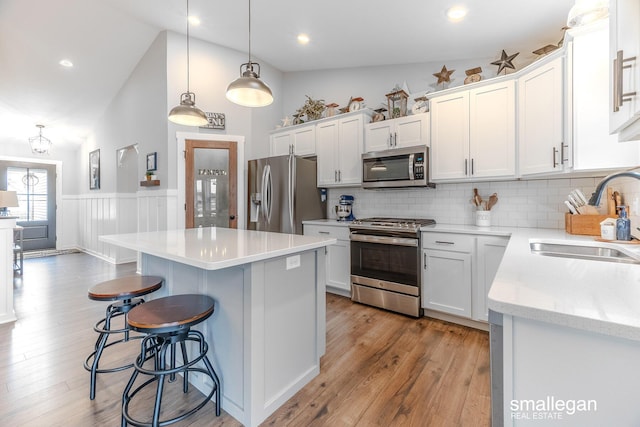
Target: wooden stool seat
x: 171, y: 313
x: 125, y: 288
x: 126, y: 292
x: 167, y: 324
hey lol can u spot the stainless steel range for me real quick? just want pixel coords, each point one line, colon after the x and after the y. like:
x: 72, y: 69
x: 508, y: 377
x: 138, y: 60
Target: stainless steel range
x: 385, y: 263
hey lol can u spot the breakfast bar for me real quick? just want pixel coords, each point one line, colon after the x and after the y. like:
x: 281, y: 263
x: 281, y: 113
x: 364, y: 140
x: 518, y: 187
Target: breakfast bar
x: 267, y: 332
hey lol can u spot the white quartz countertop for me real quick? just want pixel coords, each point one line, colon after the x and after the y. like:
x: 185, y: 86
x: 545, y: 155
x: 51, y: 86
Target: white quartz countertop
x: 332, y: 222
x: 215, y: 248
x: 596, y: 296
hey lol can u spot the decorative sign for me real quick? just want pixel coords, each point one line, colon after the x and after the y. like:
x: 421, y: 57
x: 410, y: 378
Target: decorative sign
x: 216, y: 121
x: 213, y: 172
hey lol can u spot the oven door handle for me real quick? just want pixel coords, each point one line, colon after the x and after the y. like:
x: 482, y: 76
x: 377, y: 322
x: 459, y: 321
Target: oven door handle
x: 386, y: 240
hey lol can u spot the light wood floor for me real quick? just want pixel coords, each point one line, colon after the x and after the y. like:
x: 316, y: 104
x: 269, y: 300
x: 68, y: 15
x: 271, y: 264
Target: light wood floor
x: 381, y: 369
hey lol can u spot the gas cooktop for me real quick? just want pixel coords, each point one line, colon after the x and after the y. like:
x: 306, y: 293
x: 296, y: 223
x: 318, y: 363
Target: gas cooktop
x: 392, y: 224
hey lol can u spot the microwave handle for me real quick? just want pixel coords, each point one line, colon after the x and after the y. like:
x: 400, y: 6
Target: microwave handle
x: 411, y: 175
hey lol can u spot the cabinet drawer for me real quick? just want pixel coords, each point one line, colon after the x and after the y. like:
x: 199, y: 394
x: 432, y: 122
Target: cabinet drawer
x: 339, y: 232
x: 448, y: 242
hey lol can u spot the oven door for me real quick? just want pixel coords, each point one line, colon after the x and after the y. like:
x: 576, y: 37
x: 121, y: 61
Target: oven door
x: 386, y: 258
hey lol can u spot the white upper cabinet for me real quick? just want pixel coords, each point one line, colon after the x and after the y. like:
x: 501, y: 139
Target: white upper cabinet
x: 542, y: 142
x: 624, y: 56
x: 339, y: 149
x: 450, y: 136
x: 405, y: 131
x: 593, y: 147
x: 473, y: 133
x: 300, y: 139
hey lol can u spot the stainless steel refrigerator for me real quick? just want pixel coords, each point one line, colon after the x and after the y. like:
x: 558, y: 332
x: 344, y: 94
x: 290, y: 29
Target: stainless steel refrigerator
x: 283, y: 193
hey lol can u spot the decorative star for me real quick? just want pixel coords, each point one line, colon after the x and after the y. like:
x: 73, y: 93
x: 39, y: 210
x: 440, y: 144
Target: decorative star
x: 505, y: 61
x: 444, y: 76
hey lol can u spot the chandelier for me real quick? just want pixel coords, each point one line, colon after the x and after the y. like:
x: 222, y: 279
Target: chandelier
x: 39, y: 144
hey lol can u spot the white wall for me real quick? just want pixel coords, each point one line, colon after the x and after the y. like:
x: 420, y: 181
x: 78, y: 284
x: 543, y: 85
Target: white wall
x: 372, y: 83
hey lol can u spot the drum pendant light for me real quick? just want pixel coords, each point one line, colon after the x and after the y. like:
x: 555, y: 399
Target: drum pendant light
x: 248, y: 90
x: 187, y: 113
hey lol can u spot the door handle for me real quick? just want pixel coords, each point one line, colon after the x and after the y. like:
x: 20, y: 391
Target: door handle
x: 232, y: 217
x: 555, y: 162
x: 619, y: 97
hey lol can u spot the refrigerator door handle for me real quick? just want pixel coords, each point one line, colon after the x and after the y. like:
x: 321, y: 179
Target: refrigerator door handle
x: 266, y: 199
x: 269, y: 194
x: 292, y: 172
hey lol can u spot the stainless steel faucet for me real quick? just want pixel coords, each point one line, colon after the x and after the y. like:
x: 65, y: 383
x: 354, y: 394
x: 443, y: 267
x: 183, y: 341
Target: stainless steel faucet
x: 597, y: 195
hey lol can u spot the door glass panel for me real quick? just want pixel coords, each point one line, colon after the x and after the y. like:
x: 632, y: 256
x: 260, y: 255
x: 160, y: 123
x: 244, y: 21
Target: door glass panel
x: 31, y: 187
x: 211, y: 189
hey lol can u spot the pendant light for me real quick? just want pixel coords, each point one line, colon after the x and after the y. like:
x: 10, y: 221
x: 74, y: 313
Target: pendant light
x: 187, y: 113
x: 248, y: 90
x: 587, y: 11
x: 39, y: 144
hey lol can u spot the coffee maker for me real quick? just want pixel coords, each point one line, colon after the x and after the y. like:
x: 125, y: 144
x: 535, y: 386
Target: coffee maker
x: 344, y: 208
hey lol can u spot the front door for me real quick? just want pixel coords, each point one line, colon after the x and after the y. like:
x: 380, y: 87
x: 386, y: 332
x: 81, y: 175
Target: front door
x: 35, y: 185
x: 211, y: 184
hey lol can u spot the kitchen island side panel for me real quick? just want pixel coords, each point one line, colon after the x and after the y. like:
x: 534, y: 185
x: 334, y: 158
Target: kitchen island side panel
x: 266, y: 335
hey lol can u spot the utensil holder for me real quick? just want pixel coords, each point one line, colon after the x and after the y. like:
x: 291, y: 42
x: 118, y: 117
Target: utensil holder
x: 483, y: 218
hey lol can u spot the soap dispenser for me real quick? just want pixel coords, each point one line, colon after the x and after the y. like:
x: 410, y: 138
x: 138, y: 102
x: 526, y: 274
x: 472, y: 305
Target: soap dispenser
x: 623, y: 225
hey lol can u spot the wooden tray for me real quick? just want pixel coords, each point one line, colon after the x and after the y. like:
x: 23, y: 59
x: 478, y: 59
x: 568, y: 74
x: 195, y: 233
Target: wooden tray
x: 626, y: 242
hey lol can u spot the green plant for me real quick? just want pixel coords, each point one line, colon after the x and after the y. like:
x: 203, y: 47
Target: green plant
x: 312, y: 108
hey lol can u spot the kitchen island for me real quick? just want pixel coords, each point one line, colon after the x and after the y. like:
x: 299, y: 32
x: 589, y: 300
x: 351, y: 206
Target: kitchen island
x: 267, y: 333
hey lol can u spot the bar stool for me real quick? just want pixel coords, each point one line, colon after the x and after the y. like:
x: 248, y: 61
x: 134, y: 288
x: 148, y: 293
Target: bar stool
x: 167, y: 321
x: 127, y: 292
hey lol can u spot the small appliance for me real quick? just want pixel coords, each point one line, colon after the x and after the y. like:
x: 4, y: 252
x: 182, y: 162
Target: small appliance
x: 344, y: 208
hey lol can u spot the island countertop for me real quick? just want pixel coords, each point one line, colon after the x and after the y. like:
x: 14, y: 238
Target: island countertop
x: 214, y: 248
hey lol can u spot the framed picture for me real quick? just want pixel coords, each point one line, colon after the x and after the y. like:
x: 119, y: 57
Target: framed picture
x: 152, y: 159
x: 94, y: 170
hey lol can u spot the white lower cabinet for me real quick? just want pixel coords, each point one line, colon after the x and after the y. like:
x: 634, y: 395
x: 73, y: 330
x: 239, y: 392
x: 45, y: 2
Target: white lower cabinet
x: 447, y: 273
x: 338, y: 261
x: 458, y: 270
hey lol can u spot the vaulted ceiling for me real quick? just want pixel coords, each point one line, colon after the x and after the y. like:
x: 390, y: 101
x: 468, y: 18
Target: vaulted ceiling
x: 105, y: 40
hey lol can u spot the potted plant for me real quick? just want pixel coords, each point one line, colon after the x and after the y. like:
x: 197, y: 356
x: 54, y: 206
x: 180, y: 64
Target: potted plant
x: 312, y: 108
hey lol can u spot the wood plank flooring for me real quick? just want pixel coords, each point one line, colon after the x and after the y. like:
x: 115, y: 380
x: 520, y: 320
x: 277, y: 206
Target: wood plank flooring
x: 381, y: 369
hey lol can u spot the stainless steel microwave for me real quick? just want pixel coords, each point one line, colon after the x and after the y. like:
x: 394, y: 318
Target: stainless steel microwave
x: 398, y: 167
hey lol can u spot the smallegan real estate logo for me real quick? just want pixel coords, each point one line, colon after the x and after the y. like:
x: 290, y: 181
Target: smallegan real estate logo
x: 550, y: 408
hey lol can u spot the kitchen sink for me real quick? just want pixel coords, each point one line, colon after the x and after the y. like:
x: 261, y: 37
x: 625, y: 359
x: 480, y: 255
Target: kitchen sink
x: 590, y: 251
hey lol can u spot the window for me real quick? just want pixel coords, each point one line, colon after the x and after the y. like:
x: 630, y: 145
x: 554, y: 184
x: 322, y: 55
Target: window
x: 31, y: 186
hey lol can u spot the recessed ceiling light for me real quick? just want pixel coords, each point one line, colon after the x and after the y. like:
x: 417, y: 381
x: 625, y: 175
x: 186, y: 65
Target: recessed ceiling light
x: 303, y: 38
x: 456, y: 13
x: 194, y: 20
x: 66, y: 63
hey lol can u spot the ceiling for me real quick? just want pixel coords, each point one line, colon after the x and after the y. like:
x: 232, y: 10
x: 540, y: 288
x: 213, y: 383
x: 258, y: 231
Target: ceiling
x: 105, y: 40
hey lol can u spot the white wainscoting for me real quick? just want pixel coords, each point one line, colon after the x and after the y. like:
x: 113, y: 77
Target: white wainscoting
x: 87, y: 216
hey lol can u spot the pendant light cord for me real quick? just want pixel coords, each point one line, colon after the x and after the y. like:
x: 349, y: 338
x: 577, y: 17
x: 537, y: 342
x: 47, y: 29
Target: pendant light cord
x: 188, y: 90
x: 250, y: 66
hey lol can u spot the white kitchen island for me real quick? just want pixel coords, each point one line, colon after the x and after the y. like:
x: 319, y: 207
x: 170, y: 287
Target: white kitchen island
x: 267, y: 333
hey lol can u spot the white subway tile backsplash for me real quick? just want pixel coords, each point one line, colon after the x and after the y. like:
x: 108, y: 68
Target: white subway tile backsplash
x: 534, y: 203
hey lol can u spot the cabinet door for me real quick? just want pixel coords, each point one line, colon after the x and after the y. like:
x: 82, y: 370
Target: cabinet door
x: 411, y: 131
x: 489, y: 255
x: 450, y: 136
x: 281, y: 143
x: 624, y: 19
x: 327, y: 153
x: 350, y: 151
x: 378, y: 136
x: 492, y: 133
x: 304, y: 141
x: 540, y: 119
x: 593, y: 146
x: 447, y: 282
